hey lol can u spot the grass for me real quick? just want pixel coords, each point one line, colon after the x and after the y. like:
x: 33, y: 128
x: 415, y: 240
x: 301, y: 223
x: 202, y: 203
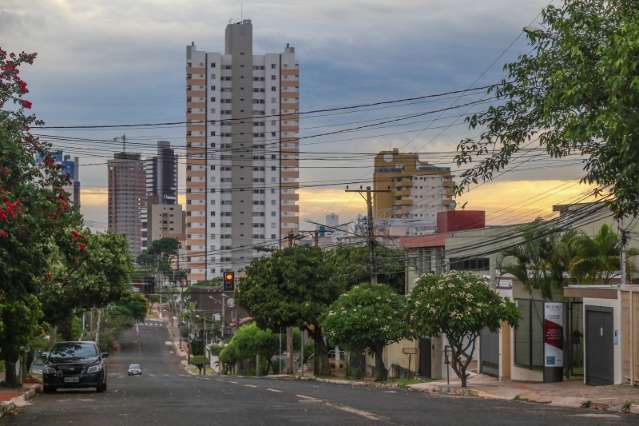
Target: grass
x: 405, y: 382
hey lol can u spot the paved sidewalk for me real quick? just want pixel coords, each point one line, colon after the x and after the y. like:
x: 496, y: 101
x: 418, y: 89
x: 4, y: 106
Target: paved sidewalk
x: 10, y: 399
x: 572, y: 393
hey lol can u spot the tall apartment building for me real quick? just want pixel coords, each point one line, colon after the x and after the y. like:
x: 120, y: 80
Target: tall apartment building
x: 242, y: 152
x: 162, y: 175
x: 418, y: 191
x: 127, y: 199
x: 165, y: 215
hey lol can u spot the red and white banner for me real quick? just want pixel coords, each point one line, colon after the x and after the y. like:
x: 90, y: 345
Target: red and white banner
x: 553, y: 334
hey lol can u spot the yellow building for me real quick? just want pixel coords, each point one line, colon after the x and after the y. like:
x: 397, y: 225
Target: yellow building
x: 417, y: 192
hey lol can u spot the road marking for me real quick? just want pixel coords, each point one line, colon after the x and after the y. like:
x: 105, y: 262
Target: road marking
x: 366, y: 414
x: 231, y: 381
x: 250, y: 386
x: 152, y: 375
x: 308, y: 398
x: 273, y: 390
x: 598, y: 416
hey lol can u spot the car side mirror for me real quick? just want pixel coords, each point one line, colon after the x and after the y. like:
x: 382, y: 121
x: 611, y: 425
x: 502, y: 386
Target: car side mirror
x: 105, y: 354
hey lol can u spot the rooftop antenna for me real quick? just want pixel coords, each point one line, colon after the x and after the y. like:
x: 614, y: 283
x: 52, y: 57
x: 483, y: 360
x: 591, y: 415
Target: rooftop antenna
x: 241, y: 10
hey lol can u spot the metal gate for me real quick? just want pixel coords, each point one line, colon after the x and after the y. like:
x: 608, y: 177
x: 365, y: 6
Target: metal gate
x: 599, y: 346
x: 489, y: 352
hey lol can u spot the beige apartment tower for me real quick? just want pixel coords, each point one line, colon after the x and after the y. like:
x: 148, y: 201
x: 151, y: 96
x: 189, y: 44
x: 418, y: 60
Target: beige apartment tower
x: 418, y: 191
x: 242, y: 171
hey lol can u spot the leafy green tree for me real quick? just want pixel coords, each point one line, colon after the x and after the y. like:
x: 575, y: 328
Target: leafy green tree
x: 574, y: 94
x: 249, y: 342
x: 350, y: 263
x: 90, y: 271
x: 542, y: 262
x: 458, y: 305
x: 293, y: 287
x: 34, y: 214
x: 156, y: 258
x: 367, y: 317
x: 598, y: 259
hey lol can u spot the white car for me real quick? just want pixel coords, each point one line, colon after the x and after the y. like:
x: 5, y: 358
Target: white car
x: 135, y: 370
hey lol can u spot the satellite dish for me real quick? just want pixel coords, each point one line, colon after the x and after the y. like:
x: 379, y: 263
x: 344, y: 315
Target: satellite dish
x: 452, y: 205
x: 230, y: 302
x: 388, y: 157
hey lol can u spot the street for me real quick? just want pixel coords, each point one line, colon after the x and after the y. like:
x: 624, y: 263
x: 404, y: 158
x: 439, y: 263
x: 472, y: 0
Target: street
x: 165, y: 395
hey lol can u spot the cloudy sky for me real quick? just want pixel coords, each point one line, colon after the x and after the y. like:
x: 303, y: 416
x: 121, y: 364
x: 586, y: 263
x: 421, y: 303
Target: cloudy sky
x: 116, y: 61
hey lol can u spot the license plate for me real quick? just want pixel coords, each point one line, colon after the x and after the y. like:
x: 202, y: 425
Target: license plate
x: 72, y: 380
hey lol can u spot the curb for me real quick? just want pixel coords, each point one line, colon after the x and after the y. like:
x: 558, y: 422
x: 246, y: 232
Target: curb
x: 353, y: 383
x: 10, y: 406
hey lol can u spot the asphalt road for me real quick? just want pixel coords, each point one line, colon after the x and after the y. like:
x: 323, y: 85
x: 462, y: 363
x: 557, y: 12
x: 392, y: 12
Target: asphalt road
x: 165, y: 395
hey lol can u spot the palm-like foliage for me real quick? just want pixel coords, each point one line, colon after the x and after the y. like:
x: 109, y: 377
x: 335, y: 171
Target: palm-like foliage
x: 547, y: 261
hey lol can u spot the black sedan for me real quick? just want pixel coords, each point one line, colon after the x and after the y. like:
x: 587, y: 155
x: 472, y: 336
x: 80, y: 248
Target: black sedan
x: 74, y: 365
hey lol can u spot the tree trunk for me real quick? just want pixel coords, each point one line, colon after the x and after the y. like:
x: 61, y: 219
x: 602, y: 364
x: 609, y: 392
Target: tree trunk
x: 320, y: 360
x: 380, y: 369
x: 10, y: 373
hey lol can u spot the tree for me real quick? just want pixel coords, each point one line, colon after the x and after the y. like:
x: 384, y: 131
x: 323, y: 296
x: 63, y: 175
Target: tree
x: 293, y: 287
x: 156, y: 258
x: 350, y: 263
x: 89, y: 271
x: 458, y: 305
x: 34, y: 213
x: 544, y: 259
x: 575, y: 94
x: 598, y: 258
x: 249, y: 342
x: 367, y: 317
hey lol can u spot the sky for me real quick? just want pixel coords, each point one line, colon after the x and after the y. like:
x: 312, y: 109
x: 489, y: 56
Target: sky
x: 116, y: 61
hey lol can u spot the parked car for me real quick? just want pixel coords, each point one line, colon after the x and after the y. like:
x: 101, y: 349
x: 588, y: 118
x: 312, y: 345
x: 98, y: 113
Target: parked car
x: 135, y: 370
x: 74, y: 365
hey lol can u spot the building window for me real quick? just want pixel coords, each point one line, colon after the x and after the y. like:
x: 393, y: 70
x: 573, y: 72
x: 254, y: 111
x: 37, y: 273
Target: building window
x: 529, y: 334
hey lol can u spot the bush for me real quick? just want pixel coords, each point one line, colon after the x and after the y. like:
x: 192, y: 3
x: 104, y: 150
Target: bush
x: 199, y: 360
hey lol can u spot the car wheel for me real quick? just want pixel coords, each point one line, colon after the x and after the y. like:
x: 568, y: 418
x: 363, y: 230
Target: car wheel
x: 102, y: 387
x: 49, y: 389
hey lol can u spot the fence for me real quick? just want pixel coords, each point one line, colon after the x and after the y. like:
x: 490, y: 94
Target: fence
x: 630, y: 334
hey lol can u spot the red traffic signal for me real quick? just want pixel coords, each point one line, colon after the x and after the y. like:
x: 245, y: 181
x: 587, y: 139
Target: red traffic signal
x: 229, y: 281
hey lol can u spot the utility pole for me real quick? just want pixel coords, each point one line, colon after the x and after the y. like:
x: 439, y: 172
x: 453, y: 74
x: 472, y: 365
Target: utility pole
x: 624, y: 240
x: 289, y: 330
x: 372, y: 261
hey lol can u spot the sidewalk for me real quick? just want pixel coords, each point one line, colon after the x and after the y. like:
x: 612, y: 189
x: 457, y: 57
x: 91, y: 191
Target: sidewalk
x: 10, y: 399
x: 572, y: 393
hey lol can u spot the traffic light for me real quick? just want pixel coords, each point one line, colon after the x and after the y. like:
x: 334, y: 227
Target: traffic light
x: 229, y: 281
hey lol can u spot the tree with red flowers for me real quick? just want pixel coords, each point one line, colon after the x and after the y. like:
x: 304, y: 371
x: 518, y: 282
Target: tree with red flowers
x: 34, y: 215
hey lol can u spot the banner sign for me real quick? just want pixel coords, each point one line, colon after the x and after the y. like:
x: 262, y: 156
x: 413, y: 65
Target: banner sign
x: 553, y: 334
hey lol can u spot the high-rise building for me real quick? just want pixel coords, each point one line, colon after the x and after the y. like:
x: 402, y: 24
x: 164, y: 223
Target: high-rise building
x: 71, y: 169
x: 127, y: 199
x: 242, y: 152
x: 417, y: 192
x: 162, y: 175
x: 165, y: 218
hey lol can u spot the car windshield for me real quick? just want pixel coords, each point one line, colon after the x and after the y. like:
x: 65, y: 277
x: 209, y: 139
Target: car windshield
x: 72, y: 351
x: 134, y: 366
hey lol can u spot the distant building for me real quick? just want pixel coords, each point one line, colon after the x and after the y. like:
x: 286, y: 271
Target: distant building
x: 165, y: 216
x: 417, y: 192
x: 332, y: 220
x: 242, y: 166
x: 71, y: 169
x: 162, y: 175
x: 127, y: 199
x: 165, y: 221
